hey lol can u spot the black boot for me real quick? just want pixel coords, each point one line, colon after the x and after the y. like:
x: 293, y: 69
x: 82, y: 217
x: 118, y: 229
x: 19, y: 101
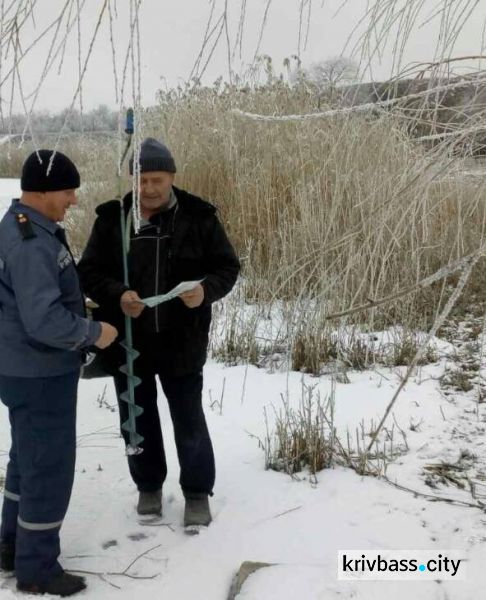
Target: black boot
x: 197, y: 510
x: 150, y: 503
x: 63, y: 585
x: 7, y: 556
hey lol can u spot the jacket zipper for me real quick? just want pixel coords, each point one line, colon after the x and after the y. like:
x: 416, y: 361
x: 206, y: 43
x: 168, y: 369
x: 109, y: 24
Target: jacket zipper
x: 157, y: 280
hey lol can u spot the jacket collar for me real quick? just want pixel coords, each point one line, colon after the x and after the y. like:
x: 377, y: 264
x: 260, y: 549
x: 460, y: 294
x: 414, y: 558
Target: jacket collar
x: 34, y: 215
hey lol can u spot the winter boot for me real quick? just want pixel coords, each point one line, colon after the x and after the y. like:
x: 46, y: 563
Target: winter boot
x: 63, y: 585
x: 7, y: 556
x: 150, y: 503
x: 197, y: 511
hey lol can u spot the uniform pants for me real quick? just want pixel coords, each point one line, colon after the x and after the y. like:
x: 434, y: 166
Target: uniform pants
x: 40, y: 472
x: 194, y: 448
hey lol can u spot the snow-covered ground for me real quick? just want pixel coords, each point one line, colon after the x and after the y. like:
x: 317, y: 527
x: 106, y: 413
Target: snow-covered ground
x: 266, y: 516
x: 9, y: 188
x: 259, y: 515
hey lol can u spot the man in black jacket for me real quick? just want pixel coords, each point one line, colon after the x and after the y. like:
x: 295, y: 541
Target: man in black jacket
x: 180, y: 239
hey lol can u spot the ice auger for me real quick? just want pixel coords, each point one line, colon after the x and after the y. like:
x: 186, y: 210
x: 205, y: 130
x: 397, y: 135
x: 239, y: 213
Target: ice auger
x: 131, y: 354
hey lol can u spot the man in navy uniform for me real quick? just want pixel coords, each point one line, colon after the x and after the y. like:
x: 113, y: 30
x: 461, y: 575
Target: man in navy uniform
x: 43, y: 331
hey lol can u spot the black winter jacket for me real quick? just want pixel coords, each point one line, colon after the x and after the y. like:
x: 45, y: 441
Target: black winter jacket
x: 185, y: 243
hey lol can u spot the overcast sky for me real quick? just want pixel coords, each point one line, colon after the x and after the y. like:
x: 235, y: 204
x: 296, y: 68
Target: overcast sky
x: 171, y: 36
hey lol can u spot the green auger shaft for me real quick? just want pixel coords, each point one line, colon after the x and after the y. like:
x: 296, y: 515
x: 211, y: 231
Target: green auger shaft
x: 132, y: 380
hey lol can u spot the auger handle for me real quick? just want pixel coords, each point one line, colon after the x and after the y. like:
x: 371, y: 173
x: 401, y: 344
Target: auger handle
x: 129, y: 127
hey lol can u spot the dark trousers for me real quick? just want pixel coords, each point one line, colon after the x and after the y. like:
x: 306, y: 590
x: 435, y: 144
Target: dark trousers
x: 40, y: 472
x: 194, y: 448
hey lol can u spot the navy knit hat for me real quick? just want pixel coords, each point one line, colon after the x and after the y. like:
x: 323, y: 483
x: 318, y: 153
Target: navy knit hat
x: 63, y: 174
x: 154, y: 156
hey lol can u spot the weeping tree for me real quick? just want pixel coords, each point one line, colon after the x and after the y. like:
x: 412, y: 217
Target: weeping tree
x: 341, y: 205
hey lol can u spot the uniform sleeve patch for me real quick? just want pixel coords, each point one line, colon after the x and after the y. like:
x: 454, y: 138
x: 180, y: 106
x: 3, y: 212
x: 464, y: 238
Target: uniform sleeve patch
x: 64, y: 259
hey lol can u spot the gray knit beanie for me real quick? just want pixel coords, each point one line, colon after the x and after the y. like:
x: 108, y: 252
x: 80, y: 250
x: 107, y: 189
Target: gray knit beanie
x: 154, y: 156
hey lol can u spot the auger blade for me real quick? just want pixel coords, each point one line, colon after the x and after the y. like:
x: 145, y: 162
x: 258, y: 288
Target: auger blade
x: 135, y: 409
x: 129, y: 350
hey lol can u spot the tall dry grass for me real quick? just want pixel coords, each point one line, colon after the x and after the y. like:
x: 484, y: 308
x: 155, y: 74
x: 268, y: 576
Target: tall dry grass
x: 329, y: 213
x: 325, y: 214
x: 96, y: 159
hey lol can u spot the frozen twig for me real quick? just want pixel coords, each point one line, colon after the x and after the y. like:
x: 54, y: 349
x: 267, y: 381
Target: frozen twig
x: 438, y: 322
x: 427, y: 281
x: 123, y: 573
x: 360, y: 108
x: 432, y: 497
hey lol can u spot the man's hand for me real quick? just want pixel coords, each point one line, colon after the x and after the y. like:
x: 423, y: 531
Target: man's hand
x: 107, y: 337
x: 131, y: 304
x: 193, y: 298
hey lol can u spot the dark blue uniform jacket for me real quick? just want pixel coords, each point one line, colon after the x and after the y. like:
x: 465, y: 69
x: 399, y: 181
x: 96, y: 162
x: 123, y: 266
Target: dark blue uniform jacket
x: 43, y: 328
